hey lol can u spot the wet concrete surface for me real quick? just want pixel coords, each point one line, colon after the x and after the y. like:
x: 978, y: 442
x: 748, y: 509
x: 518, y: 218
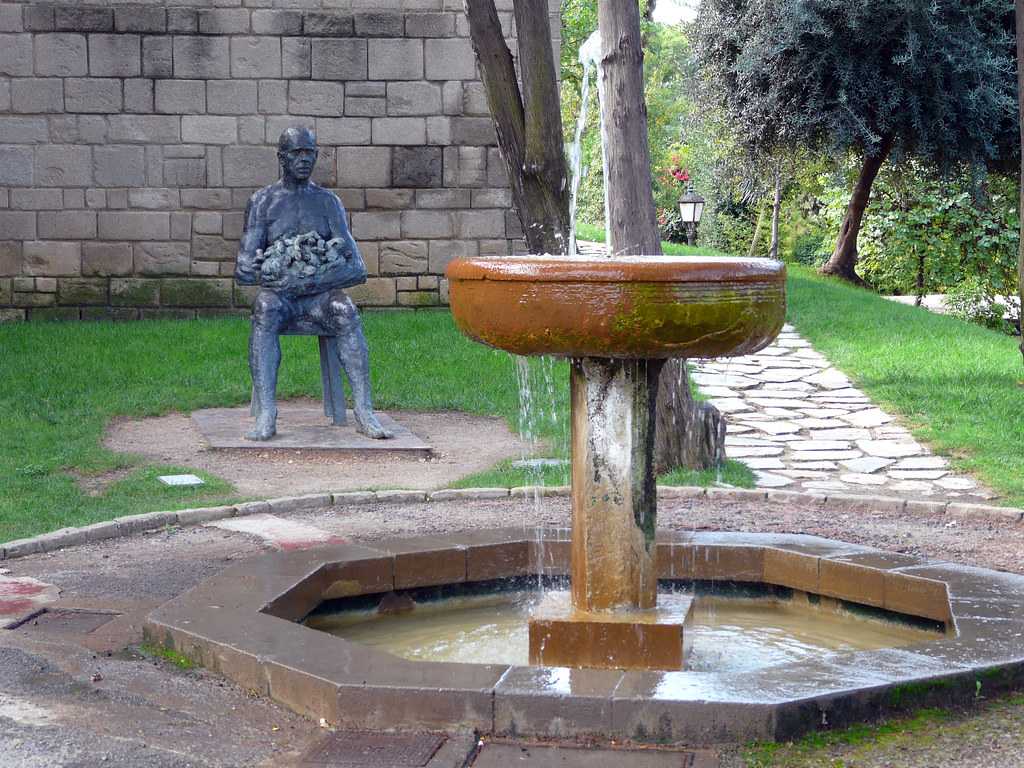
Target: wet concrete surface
x: 63, y: 703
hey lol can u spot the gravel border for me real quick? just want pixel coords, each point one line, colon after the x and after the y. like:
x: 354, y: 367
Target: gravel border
x: 125, y: 526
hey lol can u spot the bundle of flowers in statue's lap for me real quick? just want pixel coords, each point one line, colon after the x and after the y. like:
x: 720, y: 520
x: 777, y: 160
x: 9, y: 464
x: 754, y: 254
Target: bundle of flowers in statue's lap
x: 303, y: 264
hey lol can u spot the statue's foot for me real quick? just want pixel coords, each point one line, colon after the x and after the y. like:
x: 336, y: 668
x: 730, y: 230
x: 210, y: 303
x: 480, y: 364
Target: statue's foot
x: 266, y: 426
x: 367, y: 424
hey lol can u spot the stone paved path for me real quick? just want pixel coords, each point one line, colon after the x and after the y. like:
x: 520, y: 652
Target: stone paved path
x: 800, y: 424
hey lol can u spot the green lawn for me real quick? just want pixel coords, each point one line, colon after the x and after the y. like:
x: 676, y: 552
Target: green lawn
x: 60, y: 384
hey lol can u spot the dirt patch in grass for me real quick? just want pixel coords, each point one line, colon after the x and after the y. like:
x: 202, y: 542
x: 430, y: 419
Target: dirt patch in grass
x: 462, y: 445
x: 96, y: 485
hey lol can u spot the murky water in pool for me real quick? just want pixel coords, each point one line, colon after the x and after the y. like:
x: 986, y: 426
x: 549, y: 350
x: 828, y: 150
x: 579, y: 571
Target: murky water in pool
x: 729, y: 634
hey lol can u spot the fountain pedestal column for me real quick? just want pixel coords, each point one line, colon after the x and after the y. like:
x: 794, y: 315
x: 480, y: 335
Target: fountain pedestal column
x: 612, y: 621
x: 614, y: 501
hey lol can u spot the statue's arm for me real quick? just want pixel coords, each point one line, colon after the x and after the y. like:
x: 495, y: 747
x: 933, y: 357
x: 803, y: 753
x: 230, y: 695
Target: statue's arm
x: 254, y: 238
x: 349, y: 269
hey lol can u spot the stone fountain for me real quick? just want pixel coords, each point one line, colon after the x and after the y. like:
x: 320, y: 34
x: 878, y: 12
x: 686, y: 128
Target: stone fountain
x: 617, y: 320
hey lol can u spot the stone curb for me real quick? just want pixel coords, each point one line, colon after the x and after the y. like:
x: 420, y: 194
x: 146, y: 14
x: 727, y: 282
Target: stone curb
x: 151, y: 521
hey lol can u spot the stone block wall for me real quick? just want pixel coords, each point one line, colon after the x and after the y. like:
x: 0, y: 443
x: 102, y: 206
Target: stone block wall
x: 132, y: 135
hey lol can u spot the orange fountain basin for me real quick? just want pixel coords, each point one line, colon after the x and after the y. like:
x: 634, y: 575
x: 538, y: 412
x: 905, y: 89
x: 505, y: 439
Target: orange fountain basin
x: 628, y: 307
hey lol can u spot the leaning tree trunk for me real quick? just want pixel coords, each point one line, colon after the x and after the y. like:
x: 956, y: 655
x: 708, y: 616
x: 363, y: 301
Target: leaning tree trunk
x: 528, y: 121
x: 1020, y: 105
x: 529, y: 129
x: 687, y: 433
x: 844, y: 257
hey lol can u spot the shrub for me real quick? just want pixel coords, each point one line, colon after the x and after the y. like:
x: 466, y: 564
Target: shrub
x: 810, y: 250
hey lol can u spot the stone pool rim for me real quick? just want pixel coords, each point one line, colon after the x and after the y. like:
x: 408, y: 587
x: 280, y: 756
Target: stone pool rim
x: 242, y: 623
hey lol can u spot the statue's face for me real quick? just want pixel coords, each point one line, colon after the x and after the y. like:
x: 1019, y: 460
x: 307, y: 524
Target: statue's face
x: 298, y: 159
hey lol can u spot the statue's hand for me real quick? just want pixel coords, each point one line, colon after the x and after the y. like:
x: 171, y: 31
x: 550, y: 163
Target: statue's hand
x: 246, y: 274
x: 339, y: 252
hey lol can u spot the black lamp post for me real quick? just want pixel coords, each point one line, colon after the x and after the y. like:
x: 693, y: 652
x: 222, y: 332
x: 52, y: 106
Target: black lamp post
x: 691, y: 207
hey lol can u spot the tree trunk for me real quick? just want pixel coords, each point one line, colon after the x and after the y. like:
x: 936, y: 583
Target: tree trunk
x: 844, y: 257
x: 757, y: 231
x: 528, y: 121
x: 1020, y: 105
x: 919, y: 282
x: 773, y: 250
x: 687, y: 433
x: 632, y: 219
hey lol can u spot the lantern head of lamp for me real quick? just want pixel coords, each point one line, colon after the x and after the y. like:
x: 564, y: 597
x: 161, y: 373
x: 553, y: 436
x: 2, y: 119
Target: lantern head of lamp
x: 691, y: 208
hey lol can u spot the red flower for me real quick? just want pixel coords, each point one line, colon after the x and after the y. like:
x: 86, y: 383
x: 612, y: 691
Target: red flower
x: 682, y: 175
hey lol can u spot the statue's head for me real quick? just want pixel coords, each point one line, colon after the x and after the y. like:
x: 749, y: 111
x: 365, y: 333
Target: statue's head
x: 297, y: 151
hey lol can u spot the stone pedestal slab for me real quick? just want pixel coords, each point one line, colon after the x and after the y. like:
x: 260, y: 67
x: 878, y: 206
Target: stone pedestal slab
x: 301, y: 426
x: 651, y: 639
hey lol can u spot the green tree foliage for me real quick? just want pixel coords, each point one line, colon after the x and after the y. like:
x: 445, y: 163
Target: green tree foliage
x: 931, y: 79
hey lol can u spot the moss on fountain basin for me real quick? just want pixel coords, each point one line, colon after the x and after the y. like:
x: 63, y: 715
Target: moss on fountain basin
x: 641, y: 307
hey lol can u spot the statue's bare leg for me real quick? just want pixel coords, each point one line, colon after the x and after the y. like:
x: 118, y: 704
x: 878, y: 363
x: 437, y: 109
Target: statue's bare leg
x: 264, y: 361
x: 355, y: 361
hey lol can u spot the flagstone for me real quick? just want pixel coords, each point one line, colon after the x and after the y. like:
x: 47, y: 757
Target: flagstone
x: 859, y: 479
x: 840, y: 433
x: 731, y: 368
x: 867, y: 464
x: 923, y: 462
x: 814, y: 465
x: 825, y: 485
x: 785, y: 413
x: 733, y: 380
x: 775, y: 427
x: 824, y: 455
x: 782, y: 374
x: 780, y: 394
x: 889, y: 449
x: 763, y: 462
x: 777, y: 402
x: 732, y: 442
x: 870, y: 417
x: 957, y: 483
x: 769, y: 480
x: 825, y: 413
x: 730, y: 404
x: 755, y: 450
x: 820, y: 445
x: 918, y: 486
x: 789, y: 362
x: 917, y: 474
x: 830, y: 378
x: 812, y: 423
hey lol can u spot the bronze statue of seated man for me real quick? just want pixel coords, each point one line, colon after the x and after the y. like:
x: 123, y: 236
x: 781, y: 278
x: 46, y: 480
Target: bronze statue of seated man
x: 277, y: 214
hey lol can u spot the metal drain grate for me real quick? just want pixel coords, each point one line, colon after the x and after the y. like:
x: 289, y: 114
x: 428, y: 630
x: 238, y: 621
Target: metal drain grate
x: 365, y: 749
x: 67, y: 622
